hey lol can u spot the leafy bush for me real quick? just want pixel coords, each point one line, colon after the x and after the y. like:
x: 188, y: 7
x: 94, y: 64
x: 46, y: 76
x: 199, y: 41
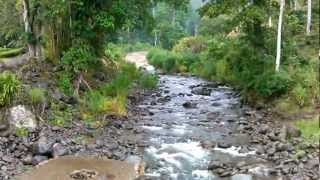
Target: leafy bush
x: 94, y: 102
x: 194, y: 44
x: 37, y: 95
x: 65, y: 83
x: 299, y: 94
x: 60, y: 115
x: 272, y: 84
x: 170, y: 63
x: 9, y: 86
x: 148, y: 81
x: 79, y: 57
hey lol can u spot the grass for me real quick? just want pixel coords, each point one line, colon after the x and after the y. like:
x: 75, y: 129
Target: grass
x: 37, y: 95
x: 10, y: 52
x: 310, y: 129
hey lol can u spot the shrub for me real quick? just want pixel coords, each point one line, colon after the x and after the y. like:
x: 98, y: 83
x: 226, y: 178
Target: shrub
x: 79, y: 57
x: 116, y: 106
x: 65, y: 82
x: 272, y: 84
x: 36, y: 95
x: 148, y: 81
x: 94, y: 102
x: 156, y: 57
x: 60, y: 116
x: 194, y: 44
x: 9, y: 86
x: 299, y: 95
x: 170, y: 63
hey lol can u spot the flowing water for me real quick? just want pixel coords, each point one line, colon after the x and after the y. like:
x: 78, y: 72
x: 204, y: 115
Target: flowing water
x: 180, y: 122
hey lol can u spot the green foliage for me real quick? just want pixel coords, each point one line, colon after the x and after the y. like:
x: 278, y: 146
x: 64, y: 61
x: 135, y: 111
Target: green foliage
x: 61, y: 115
x: 113, y: 52
x: 10, y: 52
x: 148, y: 81
x: 299, y: 94
x: 272, y: 84
x: 94, y: 102
x: 194, y: 44
x: 10, y: 23
x: 310, y: 129
x: 36, y: 95
x: 22, y: 132
x: 79, y: 57
x: 9, y: 86
x: 65, y: 82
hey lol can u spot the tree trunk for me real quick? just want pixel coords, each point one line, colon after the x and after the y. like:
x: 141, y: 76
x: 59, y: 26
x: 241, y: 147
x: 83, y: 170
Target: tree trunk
x: 282, y: 4
x: 174, y: 16
x: 28, y: 27
x: 270, y: 22
x: 295, y: 5
x: 309, y: 17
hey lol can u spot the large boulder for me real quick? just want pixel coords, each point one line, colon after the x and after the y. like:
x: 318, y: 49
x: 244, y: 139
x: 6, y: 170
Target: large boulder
x: 20, y: 117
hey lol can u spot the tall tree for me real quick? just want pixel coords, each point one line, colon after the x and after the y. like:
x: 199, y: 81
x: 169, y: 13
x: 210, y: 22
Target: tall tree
x: 282, y: 5
x: 309, y: 14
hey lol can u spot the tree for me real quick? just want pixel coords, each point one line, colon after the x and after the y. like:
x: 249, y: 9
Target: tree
x: 309, y: 14
x: 278, y: 57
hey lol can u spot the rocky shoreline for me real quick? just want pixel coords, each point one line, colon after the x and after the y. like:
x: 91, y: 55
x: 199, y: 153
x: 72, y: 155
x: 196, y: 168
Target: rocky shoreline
x: 119, y: 138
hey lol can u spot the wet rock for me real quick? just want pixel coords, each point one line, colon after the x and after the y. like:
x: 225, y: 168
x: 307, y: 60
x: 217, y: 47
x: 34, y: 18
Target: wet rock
x: 38, y: 159
x: 21, y: 117
x: 201, y: 91
x: 216, y: 104
x: 42, y: 147
x: 281, y: 147
x: 214, y: 165
x: 153, y: 103
x: 224, y: 145
x: 27, y: 160
x: 292, y: 131
x: 264, y: 129
x: 189, y: 105
x: 59, y: 150
x: 207, y: 144
x: 212, y: 115
x: 271, y: 151
x: 225, y: 174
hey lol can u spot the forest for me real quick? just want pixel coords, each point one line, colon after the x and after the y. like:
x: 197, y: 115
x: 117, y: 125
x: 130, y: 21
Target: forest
x: 159, y: 89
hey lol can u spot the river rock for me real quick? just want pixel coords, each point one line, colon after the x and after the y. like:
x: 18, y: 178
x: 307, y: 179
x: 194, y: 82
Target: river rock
x: 189, y: 105
x: 59, y: 150
x: 215, y: 165
x: 27, y: 160
x: 38, y: 159
x: 292, y: 131
x: 201, y: 91
x: 224, y: 145
x: 21, y: 117
x: 42, y: 147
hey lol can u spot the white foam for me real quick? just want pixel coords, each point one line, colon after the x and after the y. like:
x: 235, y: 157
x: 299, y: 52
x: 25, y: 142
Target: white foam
x: 174, y: 153
x: 234, y: 151
x: 152, y: 128
x: 202, y: 174
x: 179, y: 129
